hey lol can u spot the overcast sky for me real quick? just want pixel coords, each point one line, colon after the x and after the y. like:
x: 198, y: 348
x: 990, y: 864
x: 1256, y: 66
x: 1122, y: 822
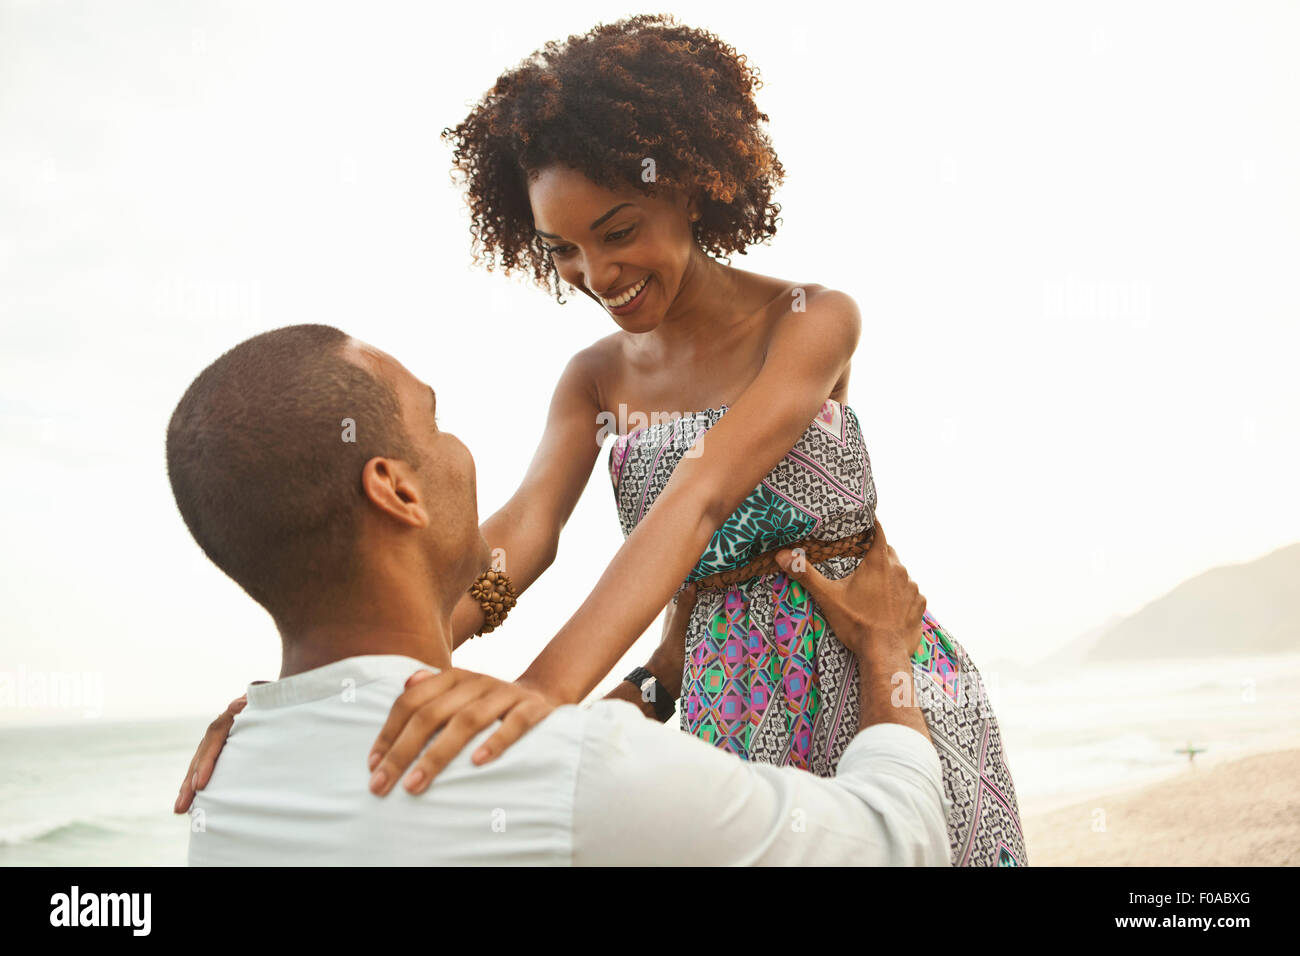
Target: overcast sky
x: 1072, y: 230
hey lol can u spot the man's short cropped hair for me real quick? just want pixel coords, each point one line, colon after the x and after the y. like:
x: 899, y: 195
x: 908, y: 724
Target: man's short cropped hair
x: 261, y: 464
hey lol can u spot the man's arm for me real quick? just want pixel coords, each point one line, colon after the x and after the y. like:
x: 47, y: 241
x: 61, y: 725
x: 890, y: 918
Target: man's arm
x: 669, y: 658
x: 645, y: 796
x: 648, y: 795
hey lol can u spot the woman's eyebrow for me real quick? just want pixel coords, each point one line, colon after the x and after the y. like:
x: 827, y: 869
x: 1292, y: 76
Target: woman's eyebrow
x: 434, y: 395
x: 594, y: 225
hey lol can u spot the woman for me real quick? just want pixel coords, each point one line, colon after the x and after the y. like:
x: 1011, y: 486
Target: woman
x: 624, y: 163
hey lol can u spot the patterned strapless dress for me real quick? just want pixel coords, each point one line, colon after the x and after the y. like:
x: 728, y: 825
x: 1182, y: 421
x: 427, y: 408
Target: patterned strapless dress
x: 765, y: 677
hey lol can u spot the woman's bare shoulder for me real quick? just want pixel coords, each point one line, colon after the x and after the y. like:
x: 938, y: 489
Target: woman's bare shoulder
x: 798, y: 297
x: 783, y: 296
x: 599, y: 363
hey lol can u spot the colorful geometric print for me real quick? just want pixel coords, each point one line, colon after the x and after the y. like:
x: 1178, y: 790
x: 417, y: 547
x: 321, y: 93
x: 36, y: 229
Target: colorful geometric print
x: 765, y: 520
x: 765, y: 676
x: 821, y: 488
x: 937, y: 657
x: 733, y: 676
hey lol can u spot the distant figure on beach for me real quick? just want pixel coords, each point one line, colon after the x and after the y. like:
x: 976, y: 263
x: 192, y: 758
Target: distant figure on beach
x: 1191, y: 752
x: 309, y: 467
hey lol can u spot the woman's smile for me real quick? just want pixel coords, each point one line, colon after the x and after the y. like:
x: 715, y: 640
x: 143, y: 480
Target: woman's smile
x: 628, y: 301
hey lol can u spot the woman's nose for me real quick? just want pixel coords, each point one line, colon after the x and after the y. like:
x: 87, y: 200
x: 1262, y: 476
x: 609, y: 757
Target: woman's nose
x: 600, y: 271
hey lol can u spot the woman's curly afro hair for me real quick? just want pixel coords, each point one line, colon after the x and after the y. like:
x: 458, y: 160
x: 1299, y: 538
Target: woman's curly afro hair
x: 603, y: 103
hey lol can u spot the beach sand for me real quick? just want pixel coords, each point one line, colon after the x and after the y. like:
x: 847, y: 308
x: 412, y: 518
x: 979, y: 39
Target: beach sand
x: 1242, y: 811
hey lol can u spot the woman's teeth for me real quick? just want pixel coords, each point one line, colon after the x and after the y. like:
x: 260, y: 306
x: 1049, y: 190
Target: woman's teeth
x: 627, y: 296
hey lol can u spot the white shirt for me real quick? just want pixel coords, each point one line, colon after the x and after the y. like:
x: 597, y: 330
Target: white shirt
x: 598, y: 785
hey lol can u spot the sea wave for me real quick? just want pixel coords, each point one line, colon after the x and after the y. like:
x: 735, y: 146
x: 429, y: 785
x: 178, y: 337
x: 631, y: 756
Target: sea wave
x: 53, y: 831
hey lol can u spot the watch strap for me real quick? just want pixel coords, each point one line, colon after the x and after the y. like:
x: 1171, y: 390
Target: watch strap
x: 664, y: 703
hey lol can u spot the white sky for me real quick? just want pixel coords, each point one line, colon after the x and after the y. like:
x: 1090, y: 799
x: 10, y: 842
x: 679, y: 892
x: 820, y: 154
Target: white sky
x: 1073, y: 232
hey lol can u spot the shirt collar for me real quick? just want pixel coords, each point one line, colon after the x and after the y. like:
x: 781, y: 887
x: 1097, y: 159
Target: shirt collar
x: 328, y: 680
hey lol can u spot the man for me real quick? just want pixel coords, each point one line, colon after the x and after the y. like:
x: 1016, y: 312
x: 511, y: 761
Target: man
x: 309, y: 467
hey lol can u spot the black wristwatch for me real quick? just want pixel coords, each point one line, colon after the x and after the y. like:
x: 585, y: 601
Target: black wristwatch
x: 654, y: 692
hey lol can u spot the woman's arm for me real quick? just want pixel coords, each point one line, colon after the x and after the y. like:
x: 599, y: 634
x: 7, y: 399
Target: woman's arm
x: 527, y: 527
x: 666, y: 662
x: 806, y: 357
x: 808, y: 352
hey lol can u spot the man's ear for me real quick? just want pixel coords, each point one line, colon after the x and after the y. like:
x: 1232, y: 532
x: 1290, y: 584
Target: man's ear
x: 389, y: 484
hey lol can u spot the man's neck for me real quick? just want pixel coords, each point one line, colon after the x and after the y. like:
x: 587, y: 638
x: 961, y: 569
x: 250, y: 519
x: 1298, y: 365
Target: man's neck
x: 416, y: 629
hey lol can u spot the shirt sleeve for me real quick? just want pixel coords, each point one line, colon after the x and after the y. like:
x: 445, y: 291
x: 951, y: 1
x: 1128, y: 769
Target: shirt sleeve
x: 646, y: 794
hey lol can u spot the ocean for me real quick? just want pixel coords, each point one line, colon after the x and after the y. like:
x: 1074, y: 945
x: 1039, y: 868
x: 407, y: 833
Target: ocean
x: 1104, y: 727
x: 100, y: 793
x: 95, y: 793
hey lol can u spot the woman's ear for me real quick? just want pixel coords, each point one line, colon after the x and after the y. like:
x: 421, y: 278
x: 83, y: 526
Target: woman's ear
x: 389, y: 484
x: 695, y: 205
